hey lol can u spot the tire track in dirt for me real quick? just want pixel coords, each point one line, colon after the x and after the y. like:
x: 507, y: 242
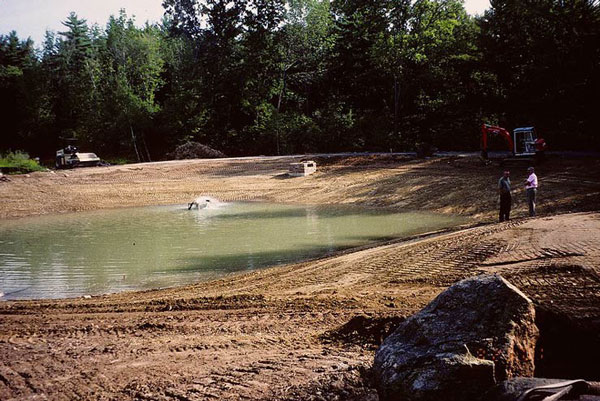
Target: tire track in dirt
x: 267, y: 342
x: 265, y: 335
x: 556, y: 261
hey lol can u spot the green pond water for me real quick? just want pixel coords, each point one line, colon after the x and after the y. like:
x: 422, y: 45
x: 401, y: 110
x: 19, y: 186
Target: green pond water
x: 153, y: 247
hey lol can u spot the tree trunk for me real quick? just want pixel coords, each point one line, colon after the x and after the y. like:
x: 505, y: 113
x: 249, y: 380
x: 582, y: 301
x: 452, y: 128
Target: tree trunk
x: 135, y: 144
x: 281, y: 94
x: 396, y: 104
x: 146, y: 147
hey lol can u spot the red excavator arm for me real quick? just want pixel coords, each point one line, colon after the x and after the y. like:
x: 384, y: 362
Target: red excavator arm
x: 492, y: 130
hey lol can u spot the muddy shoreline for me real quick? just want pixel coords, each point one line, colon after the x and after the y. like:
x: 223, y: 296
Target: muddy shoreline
x: 305, y: 331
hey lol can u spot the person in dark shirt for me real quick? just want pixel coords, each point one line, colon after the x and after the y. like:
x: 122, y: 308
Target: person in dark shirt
x: 505, y: 197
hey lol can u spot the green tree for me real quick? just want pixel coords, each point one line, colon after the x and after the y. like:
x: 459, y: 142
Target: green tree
x: 20, y: 93
x: 215, y: 29
x: 305, y: 43
x: 69, y: 66
x: 355, y: 79
x: 131, y: 68
x: 546, y: 58
x: 420, y: 51
x: 182, y: 115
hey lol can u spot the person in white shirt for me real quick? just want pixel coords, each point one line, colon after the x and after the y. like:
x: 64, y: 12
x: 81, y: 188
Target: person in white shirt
x: 531, y: 188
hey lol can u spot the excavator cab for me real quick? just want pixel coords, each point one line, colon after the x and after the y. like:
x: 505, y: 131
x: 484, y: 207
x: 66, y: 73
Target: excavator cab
x: 524, y: 140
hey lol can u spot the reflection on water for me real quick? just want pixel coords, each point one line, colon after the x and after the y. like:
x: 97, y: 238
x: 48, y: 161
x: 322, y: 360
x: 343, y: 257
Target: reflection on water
x: 152, y: 247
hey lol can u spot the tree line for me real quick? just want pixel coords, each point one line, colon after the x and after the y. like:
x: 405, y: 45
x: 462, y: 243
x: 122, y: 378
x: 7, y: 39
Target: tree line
x: 251, y: 77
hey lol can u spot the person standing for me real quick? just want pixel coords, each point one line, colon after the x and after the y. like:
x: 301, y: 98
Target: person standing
x: 505, y: 197
x: 531, y: 186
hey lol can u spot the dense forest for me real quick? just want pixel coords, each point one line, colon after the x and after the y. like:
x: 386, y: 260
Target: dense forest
x: 250, y: 77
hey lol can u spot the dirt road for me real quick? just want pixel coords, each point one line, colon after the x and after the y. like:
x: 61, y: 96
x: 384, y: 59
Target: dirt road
x: 299, y: 332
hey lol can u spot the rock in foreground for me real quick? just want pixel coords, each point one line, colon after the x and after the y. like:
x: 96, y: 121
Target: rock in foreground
x: 477, y: 332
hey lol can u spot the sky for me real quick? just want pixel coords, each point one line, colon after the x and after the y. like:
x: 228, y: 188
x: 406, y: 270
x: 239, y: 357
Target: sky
x: 31, y: 18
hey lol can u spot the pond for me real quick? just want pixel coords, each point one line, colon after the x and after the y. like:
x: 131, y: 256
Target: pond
x: 107, y: 251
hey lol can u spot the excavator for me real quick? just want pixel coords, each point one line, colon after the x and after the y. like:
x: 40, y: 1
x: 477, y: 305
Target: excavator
x: 523, y: 142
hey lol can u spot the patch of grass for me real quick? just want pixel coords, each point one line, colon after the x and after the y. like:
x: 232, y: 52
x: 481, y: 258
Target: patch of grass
x: 117, y: 161
x: 18, y: 162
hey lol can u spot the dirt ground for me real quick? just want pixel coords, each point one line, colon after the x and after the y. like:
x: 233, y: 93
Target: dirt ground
x: 305, y: 331
x: 460, y: 185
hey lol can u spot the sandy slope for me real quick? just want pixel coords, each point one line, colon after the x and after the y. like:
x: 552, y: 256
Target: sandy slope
x: 450, y: 185
x: 304, y: 331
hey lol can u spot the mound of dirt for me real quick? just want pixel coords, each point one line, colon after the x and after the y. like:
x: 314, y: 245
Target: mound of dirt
x: 364, y: 331
x: 195, y: 150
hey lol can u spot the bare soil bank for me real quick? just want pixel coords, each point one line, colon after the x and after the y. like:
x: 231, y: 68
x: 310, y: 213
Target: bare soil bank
x: 449, y: 185
x: 299, y: 332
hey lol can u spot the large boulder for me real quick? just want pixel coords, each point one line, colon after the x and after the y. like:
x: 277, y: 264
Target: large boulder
x: 478, y: 332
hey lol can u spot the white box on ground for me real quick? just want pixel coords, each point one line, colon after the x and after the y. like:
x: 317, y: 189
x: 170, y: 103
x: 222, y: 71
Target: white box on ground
x: 302, y: 169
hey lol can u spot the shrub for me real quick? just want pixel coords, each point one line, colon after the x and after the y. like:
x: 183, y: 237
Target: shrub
x: 19, y: 162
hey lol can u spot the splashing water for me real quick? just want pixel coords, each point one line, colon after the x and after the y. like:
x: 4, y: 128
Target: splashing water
x: 205, y: 202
